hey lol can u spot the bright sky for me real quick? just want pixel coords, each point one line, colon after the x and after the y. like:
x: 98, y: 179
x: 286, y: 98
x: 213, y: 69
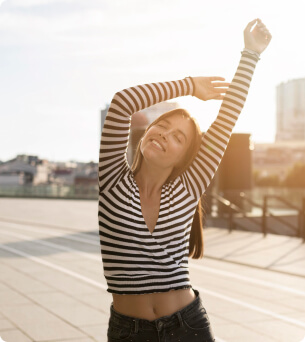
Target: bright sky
x: 61, y: 61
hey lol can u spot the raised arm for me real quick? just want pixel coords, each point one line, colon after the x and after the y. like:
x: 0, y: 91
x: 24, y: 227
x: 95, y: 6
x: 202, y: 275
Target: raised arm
x: 115, y: 134
x: 214, y: 142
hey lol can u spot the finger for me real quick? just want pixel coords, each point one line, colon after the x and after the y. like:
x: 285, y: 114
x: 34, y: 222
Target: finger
x: 219, y: 97
x: 216, y: 78
x: 262, y: 27
x: 250, y: 24
x: 217, y: 84
x: 221, y: 90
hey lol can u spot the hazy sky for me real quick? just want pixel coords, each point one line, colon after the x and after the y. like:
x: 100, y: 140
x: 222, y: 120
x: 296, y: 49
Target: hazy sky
x: 61, y: 61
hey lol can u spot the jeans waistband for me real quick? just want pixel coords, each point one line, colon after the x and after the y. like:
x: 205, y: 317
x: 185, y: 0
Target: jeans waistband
x: 169, y: 320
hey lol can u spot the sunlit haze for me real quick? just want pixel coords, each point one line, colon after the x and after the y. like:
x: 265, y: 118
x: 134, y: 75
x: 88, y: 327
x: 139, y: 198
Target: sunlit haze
x: 61, y: 62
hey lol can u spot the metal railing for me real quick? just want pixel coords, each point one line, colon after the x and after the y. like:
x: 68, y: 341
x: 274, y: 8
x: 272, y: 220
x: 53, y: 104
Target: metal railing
x: 298, y: 229
x: 233, y: 209
x: 58, y: 191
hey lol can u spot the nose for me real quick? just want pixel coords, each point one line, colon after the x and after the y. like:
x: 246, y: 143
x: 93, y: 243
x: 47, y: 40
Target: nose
x: 163, y: 135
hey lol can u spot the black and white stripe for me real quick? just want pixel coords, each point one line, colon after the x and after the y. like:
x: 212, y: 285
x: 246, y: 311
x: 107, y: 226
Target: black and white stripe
x: 136, y: 261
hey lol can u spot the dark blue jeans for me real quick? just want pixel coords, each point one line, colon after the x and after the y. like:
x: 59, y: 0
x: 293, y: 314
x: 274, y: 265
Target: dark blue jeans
x: 189, y: 324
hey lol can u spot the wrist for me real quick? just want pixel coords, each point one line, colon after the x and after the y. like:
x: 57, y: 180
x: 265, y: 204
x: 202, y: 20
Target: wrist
x: 251, y: 52
x: 193, y: 84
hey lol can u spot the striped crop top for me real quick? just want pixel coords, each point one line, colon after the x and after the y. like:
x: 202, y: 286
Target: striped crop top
x: 136, y: 261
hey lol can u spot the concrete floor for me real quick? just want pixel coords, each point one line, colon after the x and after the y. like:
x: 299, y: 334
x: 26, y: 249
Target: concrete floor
x: 52, y: 286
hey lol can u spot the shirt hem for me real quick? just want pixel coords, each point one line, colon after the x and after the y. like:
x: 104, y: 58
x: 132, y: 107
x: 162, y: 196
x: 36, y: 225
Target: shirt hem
x: 139, y: 292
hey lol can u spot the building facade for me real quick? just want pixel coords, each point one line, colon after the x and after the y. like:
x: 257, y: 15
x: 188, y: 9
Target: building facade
x: 290, y: 110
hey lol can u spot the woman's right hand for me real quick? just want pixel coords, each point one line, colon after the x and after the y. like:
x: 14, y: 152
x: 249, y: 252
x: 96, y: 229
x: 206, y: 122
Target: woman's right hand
x: 206, y: 90
x: 259, y: 38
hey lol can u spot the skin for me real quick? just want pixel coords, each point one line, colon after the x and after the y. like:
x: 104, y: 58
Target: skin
x: 174, y: 134
x: 155, y: 169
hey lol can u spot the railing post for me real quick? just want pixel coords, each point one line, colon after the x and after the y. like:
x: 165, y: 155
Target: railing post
x: 264, y: 218
x: 230, y: 219
x: 303, y: 219
x: 300, y: 219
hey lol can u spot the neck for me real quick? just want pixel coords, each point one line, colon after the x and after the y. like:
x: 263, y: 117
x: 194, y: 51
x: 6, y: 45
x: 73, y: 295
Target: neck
x: 150, y: 179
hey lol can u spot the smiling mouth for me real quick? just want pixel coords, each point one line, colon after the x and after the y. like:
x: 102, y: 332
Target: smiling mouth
x: 158, y: 145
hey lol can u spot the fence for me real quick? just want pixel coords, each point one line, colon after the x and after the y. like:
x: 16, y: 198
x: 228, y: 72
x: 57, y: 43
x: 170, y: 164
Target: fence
x: 50, y: 191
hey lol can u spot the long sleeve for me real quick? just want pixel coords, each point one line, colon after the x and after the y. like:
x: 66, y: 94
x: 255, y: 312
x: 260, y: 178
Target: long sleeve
x: 215, y: 141
x: 115, y: 134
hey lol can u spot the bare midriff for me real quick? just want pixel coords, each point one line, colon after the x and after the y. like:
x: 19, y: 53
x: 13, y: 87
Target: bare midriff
x: 151, y: 306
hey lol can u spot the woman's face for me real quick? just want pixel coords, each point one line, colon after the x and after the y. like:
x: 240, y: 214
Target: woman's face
x: 165, y: 143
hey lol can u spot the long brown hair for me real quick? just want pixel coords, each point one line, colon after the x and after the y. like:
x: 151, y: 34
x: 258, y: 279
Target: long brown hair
x: 196, y: 245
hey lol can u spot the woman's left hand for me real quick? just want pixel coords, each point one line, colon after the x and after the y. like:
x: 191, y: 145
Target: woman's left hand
x: 206, y: 90
x: 259, y: 38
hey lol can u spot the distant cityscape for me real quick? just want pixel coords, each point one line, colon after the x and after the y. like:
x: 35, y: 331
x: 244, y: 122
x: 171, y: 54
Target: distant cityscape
x: 267, y: 158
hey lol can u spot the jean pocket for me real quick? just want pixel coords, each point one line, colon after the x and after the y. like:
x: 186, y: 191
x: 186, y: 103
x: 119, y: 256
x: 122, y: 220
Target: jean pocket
x: 116, y: 333
x: 198, y: 321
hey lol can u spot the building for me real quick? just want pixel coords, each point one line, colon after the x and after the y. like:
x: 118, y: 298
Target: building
x: 290, y: 110
x: 103, y: 116
x: 24, y: 169
x: 153, y: 112
x: 87, y: 174
x: 277, y: 158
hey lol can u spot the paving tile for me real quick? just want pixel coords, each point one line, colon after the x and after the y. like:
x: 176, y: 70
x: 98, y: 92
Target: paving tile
x: 295, y: 303
x: 4, y: 253
x: 88, y: 339
x: 98, y: 332
x: 218, y: 323
x: 238, y: 333
x: 5, y: 324
x: 299, y: 315
x: 69, y: 309
x: 88, y: 268
x: 280, y: 330
x: 25, y: 283
x: 65, y: 258
x: 242, y: 293
x: 4, y: 269
x: 40, y: 324
x: 25, y: 265
x: 100, y: 301
x: 276, y: 251
x: 14, y: 336
x: 63, y: 282
x: 3, y: 287
x: 237, y: 316
x: 81, y: 311
x: 10, y: 297
x: 80, y: 215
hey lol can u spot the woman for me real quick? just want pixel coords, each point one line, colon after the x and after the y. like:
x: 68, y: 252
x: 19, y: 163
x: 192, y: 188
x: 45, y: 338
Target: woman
x: 146, y: 212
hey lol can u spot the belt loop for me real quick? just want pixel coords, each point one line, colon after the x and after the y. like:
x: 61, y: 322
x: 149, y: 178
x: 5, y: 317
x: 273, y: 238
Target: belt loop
x: 180, y: 319
x: 136, y: 328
